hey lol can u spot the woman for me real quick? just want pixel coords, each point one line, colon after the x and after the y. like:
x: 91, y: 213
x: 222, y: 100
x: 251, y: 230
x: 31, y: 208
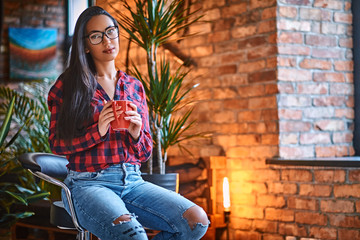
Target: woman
x: 111, y: 199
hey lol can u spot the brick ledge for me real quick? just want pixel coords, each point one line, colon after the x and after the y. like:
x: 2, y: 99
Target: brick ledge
x: 326, y: 162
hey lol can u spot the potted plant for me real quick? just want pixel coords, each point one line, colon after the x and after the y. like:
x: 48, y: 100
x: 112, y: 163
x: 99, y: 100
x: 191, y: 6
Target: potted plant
x: 30, y: 119
x: 31, y: 107
x: 152, y: 24
x: 21, y: 189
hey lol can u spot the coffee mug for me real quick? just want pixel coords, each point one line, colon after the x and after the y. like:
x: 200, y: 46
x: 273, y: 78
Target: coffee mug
x: 120, y: 123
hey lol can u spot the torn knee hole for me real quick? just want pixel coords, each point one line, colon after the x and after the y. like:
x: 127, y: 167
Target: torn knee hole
x: 122, y: 219
x: 195, y: 215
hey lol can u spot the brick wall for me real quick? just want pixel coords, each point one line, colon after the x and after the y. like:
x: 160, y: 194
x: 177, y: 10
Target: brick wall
x: 34, y: 14
x: 315, y: 78
x: 275, y: 80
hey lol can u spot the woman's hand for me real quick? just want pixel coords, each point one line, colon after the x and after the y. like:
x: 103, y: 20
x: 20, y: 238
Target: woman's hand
x: 105, y: 117
x: 135, y: 122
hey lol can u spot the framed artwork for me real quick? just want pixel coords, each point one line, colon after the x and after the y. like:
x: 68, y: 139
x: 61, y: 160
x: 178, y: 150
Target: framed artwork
x: 32, y: 53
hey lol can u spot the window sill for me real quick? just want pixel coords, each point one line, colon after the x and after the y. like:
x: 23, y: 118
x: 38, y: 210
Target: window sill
x: 323, y: 162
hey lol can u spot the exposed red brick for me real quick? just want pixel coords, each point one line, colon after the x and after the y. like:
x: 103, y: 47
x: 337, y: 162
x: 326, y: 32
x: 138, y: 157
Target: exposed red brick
x: 329, y: 176
x: 261, y: 4
x: 265, y: 226
x: 281, y: 187
x: 354, y: 175
x: 233, y: 57
x: 271, y: 88
x: 346, y: 113
x: 272, y: 237
x: 249, y: 17
x: 329, y: 101
x: 345, y: 234
x: 338, y: 220
x: 337, y: 206
x: 269, y: 114
x: 331, y: 151
x: 294, y: 75
x: 311, y: 218
x: 297, y: 2
x: 271, y: 201
x: 269, y: 13
x: 346, y: 42
x: 279, y: 215
x: 267, y: 26
x: 253, y: 90
x: 296, y: 175
x: 344, y: 65
x: 346, y: 191
x: 329, y: 77
x: 323, y: 233
x: 285, y: 87
x: 294, y: 50
x: 302, y: 203
x: 315, y: 190
x: 264, y: 76
x: 262, y: 102
x: 228, y: 69
x: 252, y: 42
x: 315, y: 138
x: 219, y: 36
x: 291, y: 37
x: 224, y: 47
x: 343, y: 17
x: 337, y: 5
x: 243, y: 224
x: 290, y: 229
x: 252, y: 66
x: 223, y: 24
x: 315, y: 64
x: 246, y: 235
x: 241, y: 32
x: 233, y: 10
x: 262, y: 52
x: 288, y: 12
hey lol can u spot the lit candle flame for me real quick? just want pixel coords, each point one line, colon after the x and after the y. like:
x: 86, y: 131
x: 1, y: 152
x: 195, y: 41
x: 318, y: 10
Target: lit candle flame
x: 226, y: 194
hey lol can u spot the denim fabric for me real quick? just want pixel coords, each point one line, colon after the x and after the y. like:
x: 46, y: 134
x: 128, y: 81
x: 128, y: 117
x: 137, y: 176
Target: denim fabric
x: 101, y: 197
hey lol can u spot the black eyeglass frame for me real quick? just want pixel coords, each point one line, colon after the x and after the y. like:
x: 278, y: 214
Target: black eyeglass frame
x: 102, y: 34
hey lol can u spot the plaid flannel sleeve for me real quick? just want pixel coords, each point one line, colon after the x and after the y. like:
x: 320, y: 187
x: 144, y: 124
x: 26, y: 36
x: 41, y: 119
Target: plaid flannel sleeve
x: 142, y: 148
x: 88, y: 140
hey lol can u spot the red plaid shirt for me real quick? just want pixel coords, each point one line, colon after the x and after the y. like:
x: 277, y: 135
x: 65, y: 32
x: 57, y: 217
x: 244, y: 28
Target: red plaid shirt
x: 91, y: 152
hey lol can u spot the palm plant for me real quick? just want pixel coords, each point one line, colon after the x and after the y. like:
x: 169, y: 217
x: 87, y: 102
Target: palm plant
x: 150, y: 25
x: 30, y: 108
x: 24, y: 190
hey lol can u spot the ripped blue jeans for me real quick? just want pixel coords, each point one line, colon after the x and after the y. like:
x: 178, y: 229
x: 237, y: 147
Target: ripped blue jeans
x: 102, y: 197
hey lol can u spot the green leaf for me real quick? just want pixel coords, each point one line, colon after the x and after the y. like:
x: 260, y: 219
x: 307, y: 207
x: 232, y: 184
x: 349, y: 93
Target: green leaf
x: 37, y: 196
x: 18, y: 197
x: 5, y: 127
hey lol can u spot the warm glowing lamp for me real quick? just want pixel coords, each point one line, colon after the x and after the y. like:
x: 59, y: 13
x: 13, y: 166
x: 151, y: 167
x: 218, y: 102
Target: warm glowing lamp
x: 226, y: 199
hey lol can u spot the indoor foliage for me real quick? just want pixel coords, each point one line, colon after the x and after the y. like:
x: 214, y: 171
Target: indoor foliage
x: 151, y: 24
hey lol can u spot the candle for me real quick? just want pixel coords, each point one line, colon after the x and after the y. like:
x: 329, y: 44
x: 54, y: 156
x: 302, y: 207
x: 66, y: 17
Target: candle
x: 226, y: 194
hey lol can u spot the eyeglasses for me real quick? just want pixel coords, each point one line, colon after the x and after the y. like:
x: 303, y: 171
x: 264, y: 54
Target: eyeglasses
x: 97, y: 37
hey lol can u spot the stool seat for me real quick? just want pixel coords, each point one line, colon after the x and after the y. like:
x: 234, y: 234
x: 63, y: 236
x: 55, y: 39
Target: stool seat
x: 60, y: 217
x: 52, y: 168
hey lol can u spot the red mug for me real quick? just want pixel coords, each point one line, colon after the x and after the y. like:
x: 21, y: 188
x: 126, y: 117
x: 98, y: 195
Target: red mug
x: 120, y: 123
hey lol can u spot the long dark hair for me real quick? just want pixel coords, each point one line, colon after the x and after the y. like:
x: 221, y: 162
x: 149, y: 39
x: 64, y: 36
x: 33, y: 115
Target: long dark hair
x: 79, y: 82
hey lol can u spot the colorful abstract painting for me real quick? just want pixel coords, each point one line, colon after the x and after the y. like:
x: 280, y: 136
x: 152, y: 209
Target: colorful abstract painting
x: 32, y: 53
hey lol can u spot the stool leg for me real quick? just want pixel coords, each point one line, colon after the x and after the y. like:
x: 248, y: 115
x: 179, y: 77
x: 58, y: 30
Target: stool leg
x: 86, y: 235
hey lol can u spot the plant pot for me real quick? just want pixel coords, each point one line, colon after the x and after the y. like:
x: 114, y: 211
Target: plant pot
x: 169, y: 181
